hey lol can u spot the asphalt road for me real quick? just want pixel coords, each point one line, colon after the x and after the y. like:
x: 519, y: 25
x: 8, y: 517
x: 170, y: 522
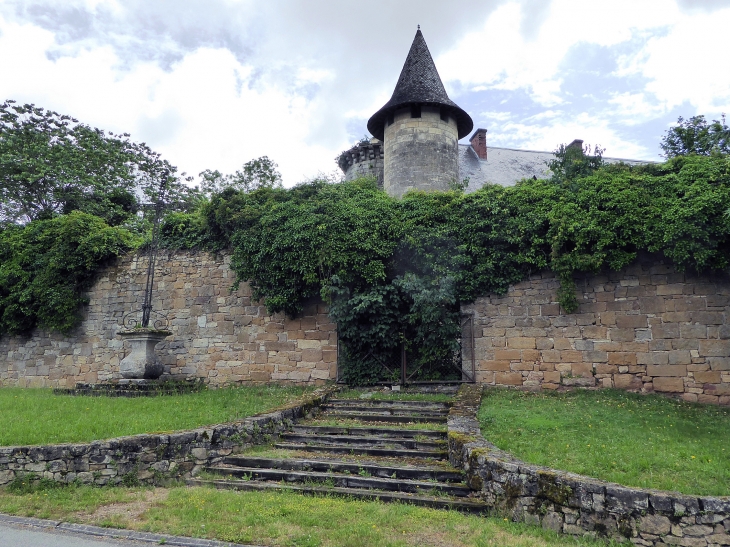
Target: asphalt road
x: 24, y: 536
x: 30, y: 532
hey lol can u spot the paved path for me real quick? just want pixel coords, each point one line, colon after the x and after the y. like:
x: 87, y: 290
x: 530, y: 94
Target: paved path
x: 30, y: 532
x: 24, y: 536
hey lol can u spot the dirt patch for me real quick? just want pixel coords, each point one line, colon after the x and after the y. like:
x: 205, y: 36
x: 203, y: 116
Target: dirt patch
x: 433, y: 538
x: 129, y: 512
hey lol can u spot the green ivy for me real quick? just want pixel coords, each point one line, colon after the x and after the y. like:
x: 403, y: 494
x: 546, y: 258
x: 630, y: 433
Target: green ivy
x: 47, y: 265
x: 395, y: 272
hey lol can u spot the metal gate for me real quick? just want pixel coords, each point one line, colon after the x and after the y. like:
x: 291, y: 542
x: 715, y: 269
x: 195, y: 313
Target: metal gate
x: 399, y: 372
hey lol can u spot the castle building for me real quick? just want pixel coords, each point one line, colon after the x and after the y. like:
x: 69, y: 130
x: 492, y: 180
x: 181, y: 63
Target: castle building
x: 419, y: 127
x: 416, y: 135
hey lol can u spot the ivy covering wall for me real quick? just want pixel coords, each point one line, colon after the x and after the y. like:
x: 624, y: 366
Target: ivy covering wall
x: 398, y: 270
x: 395, y: 270
x: 47, y: 265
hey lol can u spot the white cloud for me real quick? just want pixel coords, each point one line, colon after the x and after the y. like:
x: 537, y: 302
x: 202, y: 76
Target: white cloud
x: 503, y: 58
x: 496, y: 115
x: 202, y: 113
x: 686, y: 64
x: 636, y: 108
x: 212, y: 85
x: 564, y: 129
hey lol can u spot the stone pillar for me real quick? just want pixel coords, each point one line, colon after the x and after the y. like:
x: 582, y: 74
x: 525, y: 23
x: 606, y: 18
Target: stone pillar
x: 420, y: 153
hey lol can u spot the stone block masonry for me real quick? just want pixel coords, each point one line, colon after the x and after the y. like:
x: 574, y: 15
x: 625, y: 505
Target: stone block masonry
x: 420, y: 153
x: 363, y: 160
x: 151, y: 458
x: 574, y: 504
x: 219, y: 336
x: 647, y: 328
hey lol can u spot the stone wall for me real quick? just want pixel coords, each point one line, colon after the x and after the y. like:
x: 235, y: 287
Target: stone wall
x: 219, y: 336
x: 646, y: 328
x: 420, y: 153
x: 150, y: 458
x: 574, y: 504
x: 365, y: 159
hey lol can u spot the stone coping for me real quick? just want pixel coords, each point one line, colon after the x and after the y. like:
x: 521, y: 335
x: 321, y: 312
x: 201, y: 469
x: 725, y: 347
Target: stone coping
x: 575, y: 504
x: 152, y: 458
x: 145, y: 331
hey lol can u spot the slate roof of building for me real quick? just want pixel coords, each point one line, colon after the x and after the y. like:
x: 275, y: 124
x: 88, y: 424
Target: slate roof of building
x: 507, y: 166
x: 419, y: 83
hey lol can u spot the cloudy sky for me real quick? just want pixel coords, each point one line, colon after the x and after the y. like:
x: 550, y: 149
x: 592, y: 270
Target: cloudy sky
x: 212, y: 84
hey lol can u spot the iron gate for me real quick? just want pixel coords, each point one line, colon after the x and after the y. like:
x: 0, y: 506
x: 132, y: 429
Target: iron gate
x: 463, y: 365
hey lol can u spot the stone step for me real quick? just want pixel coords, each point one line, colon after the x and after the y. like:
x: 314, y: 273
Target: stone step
x: 343, y: 480
x: 368, y: 431
x: 369, y: 417
x: 459, y: 504
x: 386, y: 410
x: 374, y: 441
x: 386, y: 404
x: 364, y: 450
x: 376, y: 470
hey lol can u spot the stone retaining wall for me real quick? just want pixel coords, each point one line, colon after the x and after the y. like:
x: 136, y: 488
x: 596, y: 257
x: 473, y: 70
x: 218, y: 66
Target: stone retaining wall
x: 574, y: 504
x: 149, y: 458
x: 646, y: 328
x: 219, y: 336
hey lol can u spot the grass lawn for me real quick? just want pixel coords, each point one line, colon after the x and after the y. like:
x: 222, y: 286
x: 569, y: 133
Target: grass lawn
x: 379, y: 395
x: 647, y: 441
x: 276, y: 518
x: 37, y: 416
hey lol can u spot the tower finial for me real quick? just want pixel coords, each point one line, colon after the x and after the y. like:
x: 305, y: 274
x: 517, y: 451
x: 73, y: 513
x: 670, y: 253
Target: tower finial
x: 419, y: 27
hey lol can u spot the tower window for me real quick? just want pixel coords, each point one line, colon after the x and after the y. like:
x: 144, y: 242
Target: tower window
x: 415, y: 111
x: 444, y: 115
x: 391, y: 119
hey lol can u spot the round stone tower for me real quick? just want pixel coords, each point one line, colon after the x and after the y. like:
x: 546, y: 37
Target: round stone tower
x: 420, y: 128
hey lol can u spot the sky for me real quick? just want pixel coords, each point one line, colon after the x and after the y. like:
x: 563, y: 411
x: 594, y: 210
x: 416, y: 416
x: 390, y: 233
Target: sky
x: 213, y: 84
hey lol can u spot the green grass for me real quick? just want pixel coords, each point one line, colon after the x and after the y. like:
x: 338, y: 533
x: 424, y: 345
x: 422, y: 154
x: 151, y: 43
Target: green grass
x: 646, y: 441
x: 278, y: 518
x: 393, y: 395
x: 36, y: 416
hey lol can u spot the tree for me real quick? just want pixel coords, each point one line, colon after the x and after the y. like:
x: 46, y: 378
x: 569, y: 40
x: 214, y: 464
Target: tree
x: 258, y: 173
x: 575, y: 160
x: 696, y: 136
x: 51, y: 164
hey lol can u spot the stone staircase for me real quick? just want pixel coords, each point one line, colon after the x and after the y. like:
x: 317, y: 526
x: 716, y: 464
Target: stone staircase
x: 367, y: 449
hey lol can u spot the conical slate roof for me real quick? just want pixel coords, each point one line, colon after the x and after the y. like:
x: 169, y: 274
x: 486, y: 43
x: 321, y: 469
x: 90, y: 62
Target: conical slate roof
x: 419, y: 83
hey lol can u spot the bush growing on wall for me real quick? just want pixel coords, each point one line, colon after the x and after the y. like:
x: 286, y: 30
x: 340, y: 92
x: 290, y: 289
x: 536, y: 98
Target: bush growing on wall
x: 46, y: 265
x: 382, y: 259
x: 396, y: 269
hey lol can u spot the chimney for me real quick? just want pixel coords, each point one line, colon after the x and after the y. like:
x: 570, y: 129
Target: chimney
x: 479, y: 143
x: 577, y: 143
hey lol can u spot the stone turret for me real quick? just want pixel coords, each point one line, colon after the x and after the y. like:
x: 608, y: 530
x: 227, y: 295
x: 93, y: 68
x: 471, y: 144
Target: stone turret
x: 420, y: 128
x: 365, y: 159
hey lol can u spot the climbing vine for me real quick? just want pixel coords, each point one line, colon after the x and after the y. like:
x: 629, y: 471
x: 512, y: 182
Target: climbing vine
x: 395, y: 271
x: 47, y: 265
